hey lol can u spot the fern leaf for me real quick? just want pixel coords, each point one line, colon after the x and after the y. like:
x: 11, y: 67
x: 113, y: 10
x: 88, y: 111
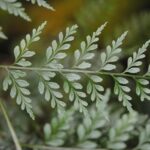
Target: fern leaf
x: 19, y: 89
x: 55, y: 133
x: 42, y: 3
x: 121, y: 89
x: 14, y: 7
x: 147, y: 74
x: 94, y: 88
x: 50, y: 90
x: 135, y: 62
x: 109, y: 57
x: 142, y: 89
x: 18, y: 85
x: 74, y: 89
x: 121, y: 131
x: 86, y: 50
x: 22, y: 51
x: 56, y: 52
x: 2, y: 35
x: 144, y: 139
x: 89, y: 131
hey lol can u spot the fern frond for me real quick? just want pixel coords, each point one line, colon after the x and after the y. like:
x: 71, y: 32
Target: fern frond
x: 74, y: 89
x: 50, y: 90
x: 57, y: 51
x: 135, y: 62
x: 2, y: 35
x: 15, y: 79
x: 56, y: 132
x: 110, y: 56
x: 54, y: 54
x: 19, y: 89
x: 144, y: 138
x: 142, y: 89
x: 89, y: 131
x: 42, y: 3
x: 22, y: 51
x: 71, y: 76
x: 94, y: 88
x: 86, y: 49
x: 120, y: 133
x: 122, y: 90
x: 14, y: 7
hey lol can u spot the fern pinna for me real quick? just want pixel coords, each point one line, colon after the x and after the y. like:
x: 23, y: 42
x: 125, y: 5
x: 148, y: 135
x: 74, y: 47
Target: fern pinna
x: 72, y: 76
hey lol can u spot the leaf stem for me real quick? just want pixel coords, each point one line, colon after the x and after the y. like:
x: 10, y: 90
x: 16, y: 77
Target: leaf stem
x: 52, y: 148
x: 11, y: 129
x: 72, y: 71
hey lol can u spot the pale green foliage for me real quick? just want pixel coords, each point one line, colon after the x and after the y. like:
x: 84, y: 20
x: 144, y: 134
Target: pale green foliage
x: 14, y: 7
x: 121, y: 131
x: 90, y: 129
x: 50, y: 90
x: 42, y: 3
x: 110, y: 56
x: 72, y: 76
x: 57, y: 51
x: 15, y: 79
x: 74, y: 89
x: 135, y: 62
x: 22, y: 51
x: 144, y: 138
x: 2, y: 35
x: 95, y: 131
x: 56, y: 133
x: 148, y: 72
x: 94, y: 88
x: 122, y: 90
x: 19, y: 89
x: 142, y: 89
x: 86, y: 49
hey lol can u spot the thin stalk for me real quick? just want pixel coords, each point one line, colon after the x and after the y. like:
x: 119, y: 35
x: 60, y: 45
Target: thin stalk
x: 11, y: 129
x: 42, y: 147
x: 73, y: 71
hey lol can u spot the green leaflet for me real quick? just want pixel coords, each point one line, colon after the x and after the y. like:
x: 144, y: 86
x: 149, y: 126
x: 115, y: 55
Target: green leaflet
x: 135, y: 62
x: 50, y: 90
x: 42, y: 3
x: 21, y: 51
x: 86, y: 49
x: 74, y: 89
x: 122, y: 90
x: 121, y: 131
x: 111, y: 54
x: 144, y: 138
x: 55, y: 133
x: 142, y: 89
x: 94, y: 89
x: 2, y: 35
x: 90, y: 129
x: 14, y: 7
x: 57, y: 50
